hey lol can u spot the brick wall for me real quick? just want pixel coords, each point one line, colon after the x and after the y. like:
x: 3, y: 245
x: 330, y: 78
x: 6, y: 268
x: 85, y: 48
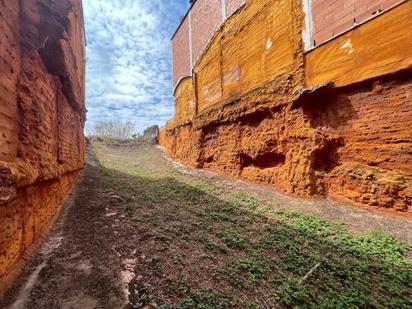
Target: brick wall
x: 232, y: 6
x: 206, y: 16
x: 333, y: 17
x: 181, y: 52
x: 203, y: 20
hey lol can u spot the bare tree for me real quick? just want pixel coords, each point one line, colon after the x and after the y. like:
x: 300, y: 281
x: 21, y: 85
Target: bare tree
x: 113, y: 129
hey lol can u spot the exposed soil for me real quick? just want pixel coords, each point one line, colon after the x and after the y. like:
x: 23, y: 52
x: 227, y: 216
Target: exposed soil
x: 77, y: 265
x: 140, y: 231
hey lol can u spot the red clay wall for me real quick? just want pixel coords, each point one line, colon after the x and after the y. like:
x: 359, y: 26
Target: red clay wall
x: 372, y: 162
x: 9, y: 71
x: 334, y: 121
x: 42, y: 116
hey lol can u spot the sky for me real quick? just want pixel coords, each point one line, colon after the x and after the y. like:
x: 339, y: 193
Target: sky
x: 129, y: 66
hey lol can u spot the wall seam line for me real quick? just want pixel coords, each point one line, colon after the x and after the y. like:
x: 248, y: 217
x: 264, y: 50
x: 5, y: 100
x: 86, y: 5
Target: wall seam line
x: 190, y: 43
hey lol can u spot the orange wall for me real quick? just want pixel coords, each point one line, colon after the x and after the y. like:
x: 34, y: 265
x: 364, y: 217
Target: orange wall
x: 185, y: 106
x: 256, y: 118
x: 42, y: 115
x: 24, y: 220
x: 252, y: 48
x: 381, y: 46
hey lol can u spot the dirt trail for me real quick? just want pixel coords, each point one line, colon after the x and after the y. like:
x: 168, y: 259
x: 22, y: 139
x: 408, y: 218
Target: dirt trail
x: 75, y: 266
x: 143, y: 229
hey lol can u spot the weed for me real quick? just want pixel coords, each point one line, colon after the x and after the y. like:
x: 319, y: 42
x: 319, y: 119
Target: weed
x: 257, y: 251
x: 207, y: 299
x: 233, y: 239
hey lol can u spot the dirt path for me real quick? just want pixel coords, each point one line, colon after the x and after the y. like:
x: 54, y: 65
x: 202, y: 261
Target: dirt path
x: 76, y: 267
x: 143, y: 230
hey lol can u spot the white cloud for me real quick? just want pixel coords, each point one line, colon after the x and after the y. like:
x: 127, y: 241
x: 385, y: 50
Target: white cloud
x: 129, y: 59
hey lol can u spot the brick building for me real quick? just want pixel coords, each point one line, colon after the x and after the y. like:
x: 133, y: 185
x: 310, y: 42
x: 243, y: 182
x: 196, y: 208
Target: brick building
x: 311, y: 96
x: 325, y: 20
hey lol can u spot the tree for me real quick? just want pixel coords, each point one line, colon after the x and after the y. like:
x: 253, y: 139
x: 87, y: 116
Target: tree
x: 113, y: 129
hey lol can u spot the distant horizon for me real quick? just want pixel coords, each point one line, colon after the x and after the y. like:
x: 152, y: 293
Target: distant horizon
x: 129, y: 65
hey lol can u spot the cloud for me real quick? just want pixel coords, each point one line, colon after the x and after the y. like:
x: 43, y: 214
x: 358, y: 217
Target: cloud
x: 129, y: 59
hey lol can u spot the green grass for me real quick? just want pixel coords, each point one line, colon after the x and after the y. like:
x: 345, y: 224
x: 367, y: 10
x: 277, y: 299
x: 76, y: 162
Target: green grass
x: 260, y: 254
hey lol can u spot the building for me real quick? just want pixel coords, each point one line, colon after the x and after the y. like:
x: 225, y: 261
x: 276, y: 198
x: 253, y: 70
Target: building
x: 311, y: 96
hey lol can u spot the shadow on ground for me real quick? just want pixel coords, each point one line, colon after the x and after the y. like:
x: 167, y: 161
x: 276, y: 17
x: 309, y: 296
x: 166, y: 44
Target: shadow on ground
x: 136, y: 232
x: 196, y: 249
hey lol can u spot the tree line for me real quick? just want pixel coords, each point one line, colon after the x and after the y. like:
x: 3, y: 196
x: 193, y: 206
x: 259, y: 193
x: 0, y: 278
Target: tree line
x: 119, y: 130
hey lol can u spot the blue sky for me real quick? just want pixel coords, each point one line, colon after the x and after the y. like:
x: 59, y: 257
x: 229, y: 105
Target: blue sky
x: 129, y: 62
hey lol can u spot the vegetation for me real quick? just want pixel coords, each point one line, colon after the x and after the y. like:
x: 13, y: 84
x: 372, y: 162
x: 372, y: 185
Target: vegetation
x: 212, y: 247
x: 113, y: 130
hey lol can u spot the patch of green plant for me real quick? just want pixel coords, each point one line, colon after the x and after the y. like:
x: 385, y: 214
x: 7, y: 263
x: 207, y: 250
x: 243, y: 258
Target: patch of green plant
x: 246, y: 273
x: 212, y: 245
x: 129, y: 208
x: 276, y: 249
x: 233, y: 239
x: 245, y: 199
x: 160, y: 236
x: 208, y: 299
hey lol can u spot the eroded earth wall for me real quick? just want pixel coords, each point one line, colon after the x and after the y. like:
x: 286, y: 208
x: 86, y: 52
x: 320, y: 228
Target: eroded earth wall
x: 42, y: 115
x: 334, y: 120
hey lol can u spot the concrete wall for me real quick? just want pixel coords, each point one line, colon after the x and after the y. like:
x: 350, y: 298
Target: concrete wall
x: 42, y: 114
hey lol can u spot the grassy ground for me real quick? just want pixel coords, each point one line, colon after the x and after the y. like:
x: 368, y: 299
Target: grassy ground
x: 198, y: 244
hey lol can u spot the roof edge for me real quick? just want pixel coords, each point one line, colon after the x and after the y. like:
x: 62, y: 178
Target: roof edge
x: 192, y: 3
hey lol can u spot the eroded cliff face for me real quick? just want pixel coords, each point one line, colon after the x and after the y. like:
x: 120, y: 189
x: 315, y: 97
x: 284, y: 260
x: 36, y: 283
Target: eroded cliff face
x: 42, y: 116
x: 271, y: 113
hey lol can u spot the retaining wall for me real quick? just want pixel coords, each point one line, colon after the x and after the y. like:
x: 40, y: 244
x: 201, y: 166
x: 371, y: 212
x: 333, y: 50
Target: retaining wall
x: 42, y: 115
